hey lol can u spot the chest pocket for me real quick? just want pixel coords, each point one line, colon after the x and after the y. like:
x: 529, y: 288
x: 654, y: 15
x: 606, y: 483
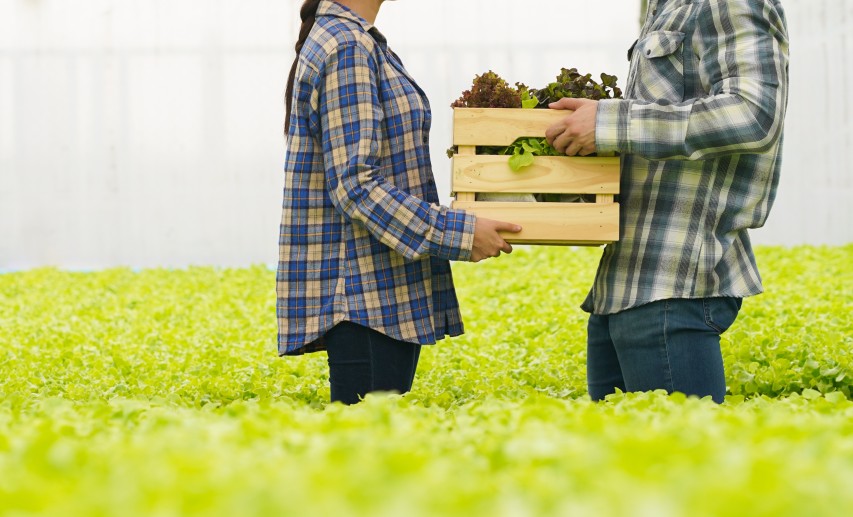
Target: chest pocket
x: 659, y: 63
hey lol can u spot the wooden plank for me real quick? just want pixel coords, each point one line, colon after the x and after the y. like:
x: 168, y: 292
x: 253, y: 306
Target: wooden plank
x: 501, y: 126
x: 547, y: 175
x: 553, y: 223
x: 463, y: 150
x: 604, y: 198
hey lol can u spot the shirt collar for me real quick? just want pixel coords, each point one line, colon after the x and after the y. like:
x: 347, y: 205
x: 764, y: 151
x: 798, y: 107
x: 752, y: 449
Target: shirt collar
x: 332, y: 8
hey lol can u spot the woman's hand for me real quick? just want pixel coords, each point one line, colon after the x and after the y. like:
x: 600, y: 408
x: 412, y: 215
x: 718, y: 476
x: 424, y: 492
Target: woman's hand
x: 488, y: 242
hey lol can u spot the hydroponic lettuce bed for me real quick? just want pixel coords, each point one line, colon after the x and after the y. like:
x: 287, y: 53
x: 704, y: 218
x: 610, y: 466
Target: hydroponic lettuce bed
x: 160, y: 393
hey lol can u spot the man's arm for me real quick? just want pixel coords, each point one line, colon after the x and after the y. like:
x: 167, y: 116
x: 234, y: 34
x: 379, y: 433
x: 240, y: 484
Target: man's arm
x: 742, y: 48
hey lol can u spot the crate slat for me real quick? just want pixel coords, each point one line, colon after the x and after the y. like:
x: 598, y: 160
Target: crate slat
x: 552, y: 223
x: 501, y: 126
x: 547, y: 175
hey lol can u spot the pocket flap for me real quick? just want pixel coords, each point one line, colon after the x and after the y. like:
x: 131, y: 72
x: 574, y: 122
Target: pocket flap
x: 661, y: 43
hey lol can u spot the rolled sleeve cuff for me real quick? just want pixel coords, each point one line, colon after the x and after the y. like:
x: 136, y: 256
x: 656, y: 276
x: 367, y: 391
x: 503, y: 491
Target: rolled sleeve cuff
x: 612, y: 121
x: 456, y: 242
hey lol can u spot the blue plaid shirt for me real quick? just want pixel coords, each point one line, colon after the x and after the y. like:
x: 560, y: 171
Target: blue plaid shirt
x: 363, y: 238
x: 700, y: 134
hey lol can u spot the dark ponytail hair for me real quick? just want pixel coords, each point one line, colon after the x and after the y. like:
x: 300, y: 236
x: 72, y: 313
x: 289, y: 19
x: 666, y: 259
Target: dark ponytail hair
x: 308, y: 13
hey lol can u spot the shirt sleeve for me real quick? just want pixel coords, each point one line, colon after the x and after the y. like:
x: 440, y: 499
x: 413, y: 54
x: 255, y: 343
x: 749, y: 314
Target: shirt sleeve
x: 742, y: 50
x: 351, y: 119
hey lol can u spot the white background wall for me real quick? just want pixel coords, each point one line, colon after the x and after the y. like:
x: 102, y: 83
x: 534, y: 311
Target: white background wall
x: 148, y: 133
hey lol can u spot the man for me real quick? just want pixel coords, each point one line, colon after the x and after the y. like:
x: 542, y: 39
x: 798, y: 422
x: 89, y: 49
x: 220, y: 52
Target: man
x: 700, y: 135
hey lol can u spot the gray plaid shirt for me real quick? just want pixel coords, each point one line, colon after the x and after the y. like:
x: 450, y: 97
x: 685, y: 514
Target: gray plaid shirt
x: 700, y: 134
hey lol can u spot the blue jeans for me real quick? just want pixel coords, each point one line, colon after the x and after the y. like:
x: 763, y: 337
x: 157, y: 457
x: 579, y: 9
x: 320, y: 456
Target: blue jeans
x: 362, y: 360
x: 672, y: 345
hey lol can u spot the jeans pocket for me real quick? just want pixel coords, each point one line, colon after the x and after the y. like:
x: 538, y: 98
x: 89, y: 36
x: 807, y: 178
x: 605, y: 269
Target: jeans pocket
x: 721, y: 313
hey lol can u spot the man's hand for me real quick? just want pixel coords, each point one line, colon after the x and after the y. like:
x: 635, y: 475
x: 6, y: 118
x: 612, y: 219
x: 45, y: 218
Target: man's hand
x: 487, y: 242
x: 575, y: 134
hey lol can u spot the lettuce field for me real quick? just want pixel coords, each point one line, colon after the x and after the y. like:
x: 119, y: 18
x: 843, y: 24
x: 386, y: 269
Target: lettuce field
x: 160, y: 393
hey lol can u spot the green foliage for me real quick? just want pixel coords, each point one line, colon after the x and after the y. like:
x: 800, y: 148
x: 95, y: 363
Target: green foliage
x: 801, y: 340
x: 528, y: 100
x: 160, y: 393
x: 523, y: 151
x: 489, y: 91
x: 571, y: 83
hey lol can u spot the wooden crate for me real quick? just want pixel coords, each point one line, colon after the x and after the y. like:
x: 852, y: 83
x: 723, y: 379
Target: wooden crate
x: 575, y: 224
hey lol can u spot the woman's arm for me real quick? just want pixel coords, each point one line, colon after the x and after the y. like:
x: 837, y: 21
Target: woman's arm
x: 352, y: 139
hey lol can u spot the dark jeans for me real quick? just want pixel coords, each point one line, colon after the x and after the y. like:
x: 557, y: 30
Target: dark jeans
x: 362, y: 360
x: 672, y: 345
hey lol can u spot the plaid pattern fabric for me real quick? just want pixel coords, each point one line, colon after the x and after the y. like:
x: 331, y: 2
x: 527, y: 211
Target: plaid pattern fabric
x: 700, y: 133
x: 362, y: 237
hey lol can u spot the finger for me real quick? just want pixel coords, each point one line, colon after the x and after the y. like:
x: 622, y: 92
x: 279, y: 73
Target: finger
x: 507, y: 247
x: 502, y: 226
x: 566, y: 103
x: 562, y: 142
x: 573, y: 149
x: 554, y: 131
x: 584, y: 147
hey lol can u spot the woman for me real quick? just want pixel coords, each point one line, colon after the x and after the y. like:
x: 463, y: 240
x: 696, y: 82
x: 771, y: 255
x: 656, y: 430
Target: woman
x: 364, y: 246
